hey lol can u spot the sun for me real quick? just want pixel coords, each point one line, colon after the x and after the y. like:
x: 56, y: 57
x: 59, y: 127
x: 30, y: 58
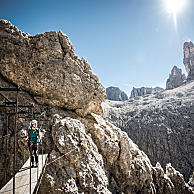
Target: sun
x: 174, y: 6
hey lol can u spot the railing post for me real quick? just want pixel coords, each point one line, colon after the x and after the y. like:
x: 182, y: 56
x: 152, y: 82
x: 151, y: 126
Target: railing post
x: 15, y: 142
x: 7, y: 122
x: 31, y: 154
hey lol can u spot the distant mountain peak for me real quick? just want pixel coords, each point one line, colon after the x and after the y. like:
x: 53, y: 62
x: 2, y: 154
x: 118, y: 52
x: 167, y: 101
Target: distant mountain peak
x: 176, y: 78
x: 144, y: 91
x: 189, y: 59
x: 114, y: 93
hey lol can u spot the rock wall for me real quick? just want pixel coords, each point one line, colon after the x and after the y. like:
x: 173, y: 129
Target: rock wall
x: 189, y: 59
x: 46, y: 66
x: 87, y: 153
x: 176, y: 78
x: 144, y: 91
x: 162, y: 125
x: 104, y: 160
x: 114, y: 93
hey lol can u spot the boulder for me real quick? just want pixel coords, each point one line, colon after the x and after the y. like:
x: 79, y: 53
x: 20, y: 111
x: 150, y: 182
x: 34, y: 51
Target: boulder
x: 46, y: 66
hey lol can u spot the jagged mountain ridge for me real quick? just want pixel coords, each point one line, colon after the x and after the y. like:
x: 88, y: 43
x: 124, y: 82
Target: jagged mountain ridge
x: 160, y: 124
x: 144, y: 91
x: 103, y: 159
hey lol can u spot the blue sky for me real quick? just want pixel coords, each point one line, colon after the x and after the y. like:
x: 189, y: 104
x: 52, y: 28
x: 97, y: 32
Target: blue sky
x: 127, y: 42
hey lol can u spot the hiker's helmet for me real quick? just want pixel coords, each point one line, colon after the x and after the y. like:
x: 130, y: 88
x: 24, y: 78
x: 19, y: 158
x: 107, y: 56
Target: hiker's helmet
x: 33, y: 122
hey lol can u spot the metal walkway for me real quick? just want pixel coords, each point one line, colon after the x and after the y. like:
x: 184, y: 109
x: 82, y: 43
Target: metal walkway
x: 22, y: 178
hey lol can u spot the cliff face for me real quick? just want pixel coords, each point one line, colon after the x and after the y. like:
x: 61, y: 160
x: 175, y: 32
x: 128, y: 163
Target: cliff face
x: 176, y: 78
x: 114, y: 93
x: 48, y: 68
x: 189, y: 59
x: 162, y: 125
x: 144, y: 91
x: 87, y: 153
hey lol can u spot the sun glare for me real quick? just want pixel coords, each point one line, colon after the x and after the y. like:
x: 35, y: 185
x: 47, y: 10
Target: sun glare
x: 174, y: 6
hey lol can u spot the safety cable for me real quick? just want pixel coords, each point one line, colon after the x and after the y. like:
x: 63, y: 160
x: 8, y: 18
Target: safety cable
x: 49, y: 164
x: 61, y: 156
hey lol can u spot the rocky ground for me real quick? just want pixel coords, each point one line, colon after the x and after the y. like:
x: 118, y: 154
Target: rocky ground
x: 162, y: 125
x: 93, y: 155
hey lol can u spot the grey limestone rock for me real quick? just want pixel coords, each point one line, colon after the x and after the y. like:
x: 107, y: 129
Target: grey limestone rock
x: 114, y: 93
x: 162, y: 125
x: 102, y: 152
x: 176, y: 78
x: 191, y: 181
x: 87, y: 154
x: 144, y: 91
x: 189, y: 59
x: 47, y: 66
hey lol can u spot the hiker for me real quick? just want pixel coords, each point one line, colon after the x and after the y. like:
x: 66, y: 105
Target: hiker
x: 33, y: 137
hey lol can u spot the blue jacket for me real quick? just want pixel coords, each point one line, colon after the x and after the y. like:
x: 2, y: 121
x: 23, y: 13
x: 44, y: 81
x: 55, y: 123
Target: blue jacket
x: 35, y: 134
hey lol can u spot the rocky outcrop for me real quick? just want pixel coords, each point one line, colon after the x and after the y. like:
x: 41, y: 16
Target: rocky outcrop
x: 100, y: 158
x: 114, y: 93
x: 176, y: 78
x: 191, y: 181
x: 144, y: 91
x: 162, y: 125
x: 46, y: 66
x: 189, y: 59
x: 86, y: 153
